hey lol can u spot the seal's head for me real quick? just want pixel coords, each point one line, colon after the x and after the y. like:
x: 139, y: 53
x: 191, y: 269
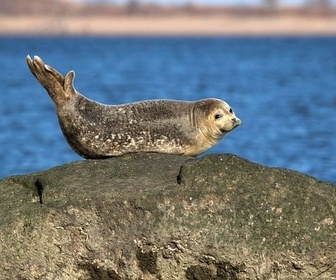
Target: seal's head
x: 222, y: 118
x: 214, y: 119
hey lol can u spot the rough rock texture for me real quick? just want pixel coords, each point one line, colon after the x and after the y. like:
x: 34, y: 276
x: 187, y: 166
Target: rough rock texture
x: 153, y: 216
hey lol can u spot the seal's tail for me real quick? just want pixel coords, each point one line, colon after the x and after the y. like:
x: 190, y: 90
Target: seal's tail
x: 59, y: 88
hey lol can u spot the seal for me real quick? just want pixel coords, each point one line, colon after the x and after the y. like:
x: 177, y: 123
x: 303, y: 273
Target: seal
x: 96, y: 130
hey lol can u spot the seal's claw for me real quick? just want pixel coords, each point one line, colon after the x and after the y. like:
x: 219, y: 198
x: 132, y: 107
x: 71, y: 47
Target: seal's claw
x: 38, y: 59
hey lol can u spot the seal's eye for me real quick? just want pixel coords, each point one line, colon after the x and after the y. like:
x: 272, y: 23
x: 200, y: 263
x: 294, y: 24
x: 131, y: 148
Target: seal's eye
x: 231, y: 111
x: 218, y: 116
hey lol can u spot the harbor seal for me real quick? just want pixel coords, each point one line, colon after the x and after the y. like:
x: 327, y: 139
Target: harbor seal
x: 96, y: 130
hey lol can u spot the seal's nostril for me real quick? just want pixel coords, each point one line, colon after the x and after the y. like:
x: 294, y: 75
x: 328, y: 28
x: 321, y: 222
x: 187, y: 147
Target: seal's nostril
x: 236, y: 121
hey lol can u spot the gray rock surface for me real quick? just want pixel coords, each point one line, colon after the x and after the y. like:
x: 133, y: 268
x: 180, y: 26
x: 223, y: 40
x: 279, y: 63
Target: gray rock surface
x: 155, y: 216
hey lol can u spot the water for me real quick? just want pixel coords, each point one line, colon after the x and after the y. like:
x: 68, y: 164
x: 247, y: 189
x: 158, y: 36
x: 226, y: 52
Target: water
x: 283, y: 89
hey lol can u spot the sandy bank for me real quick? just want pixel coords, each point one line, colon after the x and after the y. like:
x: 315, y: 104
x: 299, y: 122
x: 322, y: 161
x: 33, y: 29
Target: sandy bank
x: 173, y: 25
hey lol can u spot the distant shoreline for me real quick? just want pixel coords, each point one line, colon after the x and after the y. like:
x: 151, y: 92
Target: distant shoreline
x: 173, y: 25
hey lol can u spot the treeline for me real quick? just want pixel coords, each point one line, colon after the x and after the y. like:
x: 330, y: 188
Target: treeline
x: 63, y: 7
x: 32, y: 6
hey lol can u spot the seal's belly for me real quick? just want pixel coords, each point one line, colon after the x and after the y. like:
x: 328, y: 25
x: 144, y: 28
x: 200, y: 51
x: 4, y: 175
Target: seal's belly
x: 88, y: 138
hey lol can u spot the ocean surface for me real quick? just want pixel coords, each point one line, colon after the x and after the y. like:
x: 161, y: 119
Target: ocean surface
x: 283, y: 89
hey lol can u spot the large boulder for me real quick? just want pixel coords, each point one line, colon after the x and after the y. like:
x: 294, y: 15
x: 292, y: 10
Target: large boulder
x: 155, y: 216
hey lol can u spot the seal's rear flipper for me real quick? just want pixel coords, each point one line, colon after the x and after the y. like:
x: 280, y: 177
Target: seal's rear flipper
x: 50, y: 79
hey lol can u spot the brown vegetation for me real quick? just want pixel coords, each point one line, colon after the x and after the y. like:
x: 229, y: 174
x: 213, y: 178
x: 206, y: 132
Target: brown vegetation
x: 64, y: 7
x: 23, y: 17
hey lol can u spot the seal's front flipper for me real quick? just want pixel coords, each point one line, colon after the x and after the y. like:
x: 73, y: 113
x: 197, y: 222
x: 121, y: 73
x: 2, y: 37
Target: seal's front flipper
x: 49, y: 78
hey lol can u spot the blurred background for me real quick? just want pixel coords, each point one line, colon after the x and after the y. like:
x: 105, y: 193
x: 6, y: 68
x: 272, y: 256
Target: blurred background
x: 273, y: 61
x: 164, y: 17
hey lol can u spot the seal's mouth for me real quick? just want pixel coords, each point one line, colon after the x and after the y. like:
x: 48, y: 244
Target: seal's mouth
x: 223, y: 130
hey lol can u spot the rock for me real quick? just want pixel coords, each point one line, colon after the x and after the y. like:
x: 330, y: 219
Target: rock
x: 155, y: 216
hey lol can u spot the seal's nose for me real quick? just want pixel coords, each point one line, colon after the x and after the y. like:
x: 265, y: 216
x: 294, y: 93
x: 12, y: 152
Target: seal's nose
x: 236, y: 121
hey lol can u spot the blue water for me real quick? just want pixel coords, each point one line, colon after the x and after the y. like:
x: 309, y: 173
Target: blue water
x: 283, y: 89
